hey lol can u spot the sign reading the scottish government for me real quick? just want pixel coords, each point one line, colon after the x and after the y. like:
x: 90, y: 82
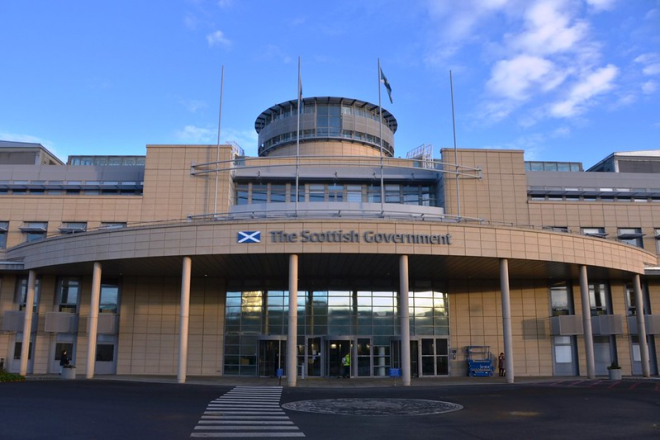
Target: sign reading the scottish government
x: 341, y: 236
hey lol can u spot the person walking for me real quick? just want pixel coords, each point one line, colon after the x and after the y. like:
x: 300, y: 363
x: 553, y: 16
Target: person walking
x: 346, y: 363
x: 500, y: 363
x: 64, y: 360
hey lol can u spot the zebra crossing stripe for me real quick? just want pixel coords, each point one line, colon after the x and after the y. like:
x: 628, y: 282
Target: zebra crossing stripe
x: 246, y: 412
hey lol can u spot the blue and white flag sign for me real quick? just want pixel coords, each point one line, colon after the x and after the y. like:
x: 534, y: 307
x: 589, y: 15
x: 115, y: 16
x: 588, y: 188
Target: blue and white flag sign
x: 249, y: 237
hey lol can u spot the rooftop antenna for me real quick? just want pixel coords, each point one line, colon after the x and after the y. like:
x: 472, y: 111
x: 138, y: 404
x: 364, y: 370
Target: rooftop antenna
x: 453, y: 121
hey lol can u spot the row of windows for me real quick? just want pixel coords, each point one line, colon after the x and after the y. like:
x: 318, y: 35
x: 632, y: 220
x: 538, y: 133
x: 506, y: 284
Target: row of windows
x: 74, y: 192
x: 323, y: 109
x: 34, y: 231
x: 631, y: 236
x: 553, y: 166
x: 67, y: 295
x: 107, y: 160
x: 253, y: 193
x: 558, y: 198
x: 334, y: 312
x: 600, y: 301
x: 322, y: 132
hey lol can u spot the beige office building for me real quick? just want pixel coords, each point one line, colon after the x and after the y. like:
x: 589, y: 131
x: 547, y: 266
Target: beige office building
x: 199, y: 260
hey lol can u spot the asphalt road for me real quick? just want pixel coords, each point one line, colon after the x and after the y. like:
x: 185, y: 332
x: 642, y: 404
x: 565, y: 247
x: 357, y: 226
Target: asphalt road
x: 101, y: 409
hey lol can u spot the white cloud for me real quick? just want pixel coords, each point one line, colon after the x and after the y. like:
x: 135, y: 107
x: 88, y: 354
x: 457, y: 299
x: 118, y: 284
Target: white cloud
x: 192, y: 105
x: 190, y: 21
x: 649, y: 87
x: 515, y: 78
x: 460, y: 18
x: 246, y: 139
x: 191, y: 134
x: 561, y: 132
x: 549, y: 29
x: 596, y: 83
x: 272, y: 51
x: 197, y: 135
x: 601, y: 5
x: 651, y: 63
x: 217, y: 38
x: 15, y: 137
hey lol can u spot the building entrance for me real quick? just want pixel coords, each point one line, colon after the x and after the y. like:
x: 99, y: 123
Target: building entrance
x: 337, y: 349
x: 272, y: 356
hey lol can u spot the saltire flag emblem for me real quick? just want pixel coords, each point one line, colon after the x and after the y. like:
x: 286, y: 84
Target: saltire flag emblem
x: 387, y: 85
x: 249, y: 237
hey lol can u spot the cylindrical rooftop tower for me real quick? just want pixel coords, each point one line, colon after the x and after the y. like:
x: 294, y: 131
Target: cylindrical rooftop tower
x: 329, y: 126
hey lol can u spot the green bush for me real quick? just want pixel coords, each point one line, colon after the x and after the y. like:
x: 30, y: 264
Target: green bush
x: 11, y: 377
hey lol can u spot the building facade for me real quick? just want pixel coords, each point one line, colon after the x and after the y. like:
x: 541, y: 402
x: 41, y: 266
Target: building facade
x: 199, y: 260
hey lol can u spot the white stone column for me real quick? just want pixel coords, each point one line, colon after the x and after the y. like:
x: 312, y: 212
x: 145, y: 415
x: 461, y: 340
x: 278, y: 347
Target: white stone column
x: 506, y: 320
x: 586, y: 323
x: 27, y: 323
x: 292, y: 338
x: 93, y: 320
x: 184, y: 320
x: 641, y: 327
x: 404, y: 312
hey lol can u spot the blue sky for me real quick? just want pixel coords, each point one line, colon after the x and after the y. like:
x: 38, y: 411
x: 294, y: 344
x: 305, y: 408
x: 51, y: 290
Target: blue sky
x: 561, y: 79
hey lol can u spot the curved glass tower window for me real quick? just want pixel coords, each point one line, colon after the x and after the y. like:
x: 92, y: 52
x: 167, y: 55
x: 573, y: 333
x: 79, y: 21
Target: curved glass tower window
x: 333, y: 119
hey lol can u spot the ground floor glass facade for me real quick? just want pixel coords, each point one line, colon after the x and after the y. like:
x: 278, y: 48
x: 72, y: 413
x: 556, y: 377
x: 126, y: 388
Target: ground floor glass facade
x: 332, y: 323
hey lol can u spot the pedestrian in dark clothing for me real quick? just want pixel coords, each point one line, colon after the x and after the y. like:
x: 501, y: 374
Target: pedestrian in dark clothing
x: 64, y: 360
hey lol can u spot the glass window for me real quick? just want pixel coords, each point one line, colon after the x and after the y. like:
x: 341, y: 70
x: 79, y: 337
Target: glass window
x: 4, y: 227
x: 113, y: 225
x: 594, y: 232
x: 373, y: 194
x: 560, y: 301
x: 68, y: 294
x: 109, y: 302
x: 631, y: 301
x: 73, y: 227
x: 335, y: 193
x: 598, y: 299
x: 392, y: 194
x: 354, y: 193
x: 631, y: 236
x: 316, y: 192
x: 35, y: 230
x: 105, y: 352
x: 21, y: 293
x: 277, y: 193
x: 563, y: 354
x: 242, y: 191
x: 301, y: 193
x: 259, y: 193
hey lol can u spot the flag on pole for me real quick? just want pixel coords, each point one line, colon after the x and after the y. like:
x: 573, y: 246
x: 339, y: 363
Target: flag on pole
x: 300, y: 95
x: 384, y: 80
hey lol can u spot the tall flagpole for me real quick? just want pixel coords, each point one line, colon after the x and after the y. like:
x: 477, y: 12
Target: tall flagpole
x: 217, y: 151
x: 298, y: 137
x: 453, y: 121
x: 380, y: 115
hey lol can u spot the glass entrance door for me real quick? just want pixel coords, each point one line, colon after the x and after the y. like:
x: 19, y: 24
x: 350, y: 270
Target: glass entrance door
x: 428, y: 356
x: 434, y: 357
x: 272, y: 354
x: 337, y: 349
x: 313, y: 356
